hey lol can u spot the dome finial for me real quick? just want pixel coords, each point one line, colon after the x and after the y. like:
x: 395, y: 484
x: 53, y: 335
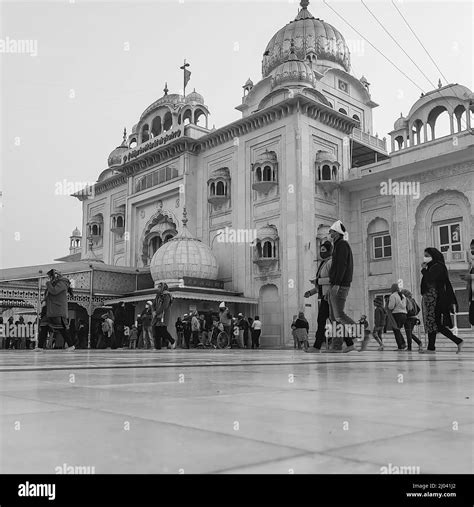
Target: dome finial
x: 124, y: 134
x: 165, y: 89
x: 439, y: 83
x: 304, y: 4
x: 185, y: 217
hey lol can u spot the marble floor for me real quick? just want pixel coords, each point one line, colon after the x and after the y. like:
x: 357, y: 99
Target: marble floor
x: 265, y: 411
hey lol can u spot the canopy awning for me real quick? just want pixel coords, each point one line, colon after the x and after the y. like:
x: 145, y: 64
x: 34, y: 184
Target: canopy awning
x: 189, y: 295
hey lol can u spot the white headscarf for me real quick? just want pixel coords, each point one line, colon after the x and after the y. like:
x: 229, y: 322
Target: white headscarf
x: 338, y: 226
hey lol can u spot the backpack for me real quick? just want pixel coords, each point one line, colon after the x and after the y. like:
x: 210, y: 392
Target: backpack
x: 412, y: 308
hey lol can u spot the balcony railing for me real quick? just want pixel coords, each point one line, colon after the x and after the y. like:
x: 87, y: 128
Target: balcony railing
x: 369, y: 140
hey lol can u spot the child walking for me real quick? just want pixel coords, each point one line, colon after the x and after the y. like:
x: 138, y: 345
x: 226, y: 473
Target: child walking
x: 133, y: 337
x: 380, y: 320
x: 301, y: 330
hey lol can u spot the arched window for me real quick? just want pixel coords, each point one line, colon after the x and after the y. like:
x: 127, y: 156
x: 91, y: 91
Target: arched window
x: 259, y: 250
x: 167, y: 122
x: 119, y: 221
x: 334, y: 172
x: 145, y: 133
x: 356, y: 117
x: 187, y: 117
x: 133, y: 143
x: 460, y: 115
x: 200, y: 118
x: 267, y: 251
x: 326, y: 172
x: 155, y: 243
x: 156, y: 126
x: 95, y: 230
x: 399, y: 142
x: 439, y: 121
x: 259, y: 173
x: 168, y: 237
x: 267, y: 173
x: 114, y: 222
x: 213, y: 188
x: 220, y: 188
x: 342, y: 110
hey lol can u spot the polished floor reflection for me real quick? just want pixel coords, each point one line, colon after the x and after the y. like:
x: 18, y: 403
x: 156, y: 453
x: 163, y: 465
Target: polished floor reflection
x: 235, y: 411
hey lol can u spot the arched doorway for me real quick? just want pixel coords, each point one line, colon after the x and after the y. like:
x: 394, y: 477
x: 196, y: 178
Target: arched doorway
x: 270, y: 315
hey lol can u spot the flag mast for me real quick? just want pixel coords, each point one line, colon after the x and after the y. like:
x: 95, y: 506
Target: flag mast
x: 186, y: 76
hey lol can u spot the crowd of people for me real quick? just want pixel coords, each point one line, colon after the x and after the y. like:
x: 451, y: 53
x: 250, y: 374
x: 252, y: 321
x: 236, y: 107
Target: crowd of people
x: 397, y: 311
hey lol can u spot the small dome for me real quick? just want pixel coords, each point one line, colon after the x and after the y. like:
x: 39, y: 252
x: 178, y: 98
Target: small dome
x: 293, y: 71
x: 183, y: 256
x: 266, y: 156
x: 115, y: 158
x: 401, y: 123
x: 267, y: 232
x: 194, y: 96
x: 325, y: 156
x: 76, y: 232
x: 249, y: 82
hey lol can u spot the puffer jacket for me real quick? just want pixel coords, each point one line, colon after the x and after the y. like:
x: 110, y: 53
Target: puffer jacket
x: 56, y: 298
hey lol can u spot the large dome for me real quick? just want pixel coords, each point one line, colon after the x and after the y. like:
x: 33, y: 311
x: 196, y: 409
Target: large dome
x: 183, y: 256
x: 312, y: 36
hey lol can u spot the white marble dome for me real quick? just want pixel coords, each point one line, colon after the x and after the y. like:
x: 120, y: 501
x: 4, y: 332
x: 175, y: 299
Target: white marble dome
x: 183, y: 256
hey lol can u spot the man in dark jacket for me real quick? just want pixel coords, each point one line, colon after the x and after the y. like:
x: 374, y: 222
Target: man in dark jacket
x: 340, y: 278
x: 120, y: 320
x: 162, y: 316
x: 57, y: 288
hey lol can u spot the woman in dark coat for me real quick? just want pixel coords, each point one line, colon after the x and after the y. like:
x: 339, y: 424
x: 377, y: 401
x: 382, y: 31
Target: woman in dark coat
x: 438, y: 298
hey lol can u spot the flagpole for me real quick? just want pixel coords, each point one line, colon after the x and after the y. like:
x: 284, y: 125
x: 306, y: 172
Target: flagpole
x: 183, y: 67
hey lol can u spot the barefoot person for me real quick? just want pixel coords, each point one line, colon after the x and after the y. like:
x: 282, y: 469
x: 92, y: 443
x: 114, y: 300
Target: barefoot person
x: 57, y: 289
x: 340, y: 278
x: 321, y: 288
x: 438, y: 299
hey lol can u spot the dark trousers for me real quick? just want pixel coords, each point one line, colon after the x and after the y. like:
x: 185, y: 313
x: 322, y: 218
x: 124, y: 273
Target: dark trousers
x: 119, y: 336
x: 60, y: 324
x: 400, y: 319
x: 43, y: 337
x: 187, y: 338
x: 409, y: 325
x: 195, y: 338
x: 256, y: 338
x: 443, y: 330
x: 323, y: 315
x: 471, y: 313
x: 162, y: 337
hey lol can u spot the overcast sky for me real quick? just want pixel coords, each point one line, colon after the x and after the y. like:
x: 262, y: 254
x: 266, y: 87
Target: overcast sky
x: 100, y: 64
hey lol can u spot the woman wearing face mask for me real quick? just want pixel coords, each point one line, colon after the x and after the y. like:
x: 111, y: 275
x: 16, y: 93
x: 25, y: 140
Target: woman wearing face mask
x: 321, y: 288
x: 438, y: 298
